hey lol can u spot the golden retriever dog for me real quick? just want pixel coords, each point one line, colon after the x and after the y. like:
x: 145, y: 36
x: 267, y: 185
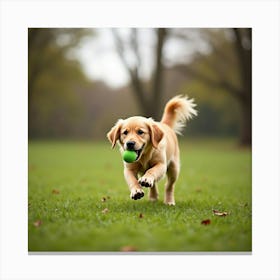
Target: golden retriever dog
x: 156, y: 146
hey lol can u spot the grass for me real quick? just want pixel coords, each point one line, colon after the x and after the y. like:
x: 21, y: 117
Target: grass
x: 67, y: 181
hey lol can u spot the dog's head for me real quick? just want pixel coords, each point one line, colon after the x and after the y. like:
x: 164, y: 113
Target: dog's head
x: 136, y: 134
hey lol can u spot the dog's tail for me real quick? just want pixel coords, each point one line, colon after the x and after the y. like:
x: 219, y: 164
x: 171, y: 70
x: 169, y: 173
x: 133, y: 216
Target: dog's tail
x: 177, y: 111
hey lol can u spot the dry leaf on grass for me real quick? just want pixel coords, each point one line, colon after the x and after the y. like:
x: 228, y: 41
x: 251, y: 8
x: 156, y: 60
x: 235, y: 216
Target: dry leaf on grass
x: 37, y: 223
x: 106, y: 210
x: 54, y: 191
x: 128, y: 249
x: 108, y: 166
x: 31, y: 167
x: 206, y: 222
x: 218, y: 213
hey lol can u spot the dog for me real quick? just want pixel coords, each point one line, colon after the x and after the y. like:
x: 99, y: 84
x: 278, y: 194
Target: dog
x: 156, y: 146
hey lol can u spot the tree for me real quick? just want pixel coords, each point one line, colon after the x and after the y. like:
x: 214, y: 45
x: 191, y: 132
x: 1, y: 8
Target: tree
x: 53, y: 104
x: 228, y: 66
x: 146, y: 98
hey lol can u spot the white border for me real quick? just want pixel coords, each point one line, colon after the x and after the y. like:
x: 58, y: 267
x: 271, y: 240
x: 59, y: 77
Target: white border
x: 17, y: 16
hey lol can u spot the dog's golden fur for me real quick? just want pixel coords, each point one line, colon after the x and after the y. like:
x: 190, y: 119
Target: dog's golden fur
x: 156, y: 146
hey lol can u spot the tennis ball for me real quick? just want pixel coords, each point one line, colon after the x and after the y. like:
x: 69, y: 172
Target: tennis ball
x: 129, y: 156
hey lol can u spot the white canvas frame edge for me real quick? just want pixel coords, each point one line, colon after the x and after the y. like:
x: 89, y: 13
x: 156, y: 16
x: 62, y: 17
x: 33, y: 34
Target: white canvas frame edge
x: 17, y: 16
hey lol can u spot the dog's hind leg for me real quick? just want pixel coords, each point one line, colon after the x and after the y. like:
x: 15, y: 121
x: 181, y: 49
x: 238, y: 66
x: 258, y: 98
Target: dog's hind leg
x: 172, y: 175
x: 153, y: 193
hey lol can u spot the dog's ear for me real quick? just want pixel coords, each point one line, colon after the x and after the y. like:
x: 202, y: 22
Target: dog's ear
x: 114, y: 134
x: 156, y: 134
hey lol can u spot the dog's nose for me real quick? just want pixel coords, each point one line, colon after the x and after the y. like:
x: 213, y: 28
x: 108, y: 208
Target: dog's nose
x: 130, y: 145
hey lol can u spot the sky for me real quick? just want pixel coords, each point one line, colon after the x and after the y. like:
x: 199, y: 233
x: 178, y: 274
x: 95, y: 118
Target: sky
x: 100, y: 60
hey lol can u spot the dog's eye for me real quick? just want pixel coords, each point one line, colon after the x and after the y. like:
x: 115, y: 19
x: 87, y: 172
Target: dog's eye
x: 125, y: 132
x: 140, y: 132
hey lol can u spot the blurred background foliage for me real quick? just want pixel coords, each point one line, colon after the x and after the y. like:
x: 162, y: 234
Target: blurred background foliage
x: 64, y: 102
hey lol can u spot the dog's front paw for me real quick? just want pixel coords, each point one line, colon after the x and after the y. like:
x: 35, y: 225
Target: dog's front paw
x: 146, y: 181
x: 136, y: 193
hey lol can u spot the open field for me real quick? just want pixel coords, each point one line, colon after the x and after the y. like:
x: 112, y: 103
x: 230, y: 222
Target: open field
x: 71, y: 183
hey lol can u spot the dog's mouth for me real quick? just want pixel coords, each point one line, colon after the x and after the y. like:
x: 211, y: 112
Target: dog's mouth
x: 139, y: 152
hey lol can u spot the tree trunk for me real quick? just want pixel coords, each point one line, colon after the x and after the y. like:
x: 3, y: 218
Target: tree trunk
x: 246, y: 123
x: 244, y: 56
x: 150, y: 110
x: 149, y: 102
x: 158, y: 75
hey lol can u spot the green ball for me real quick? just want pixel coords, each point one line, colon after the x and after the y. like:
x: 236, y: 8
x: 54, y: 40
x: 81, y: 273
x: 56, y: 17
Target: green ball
x: 129, y: 156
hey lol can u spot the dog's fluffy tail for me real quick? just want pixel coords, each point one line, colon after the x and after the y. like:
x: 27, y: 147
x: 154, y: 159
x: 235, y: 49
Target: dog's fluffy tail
x: 177, y: 111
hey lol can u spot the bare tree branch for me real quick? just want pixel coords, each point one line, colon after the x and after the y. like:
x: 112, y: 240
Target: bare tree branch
x: 234, y: 91
x: 145, y: 101
x: 134, y: 45
x: 134, y: 75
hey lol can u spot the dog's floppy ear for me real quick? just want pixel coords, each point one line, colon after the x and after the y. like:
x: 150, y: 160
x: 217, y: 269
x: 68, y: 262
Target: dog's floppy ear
x: 156, y: 134
x: 114, y: 134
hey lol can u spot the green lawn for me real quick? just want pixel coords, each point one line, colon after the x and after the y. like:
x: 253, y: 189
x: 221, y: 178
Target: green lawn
x: 68, y: 181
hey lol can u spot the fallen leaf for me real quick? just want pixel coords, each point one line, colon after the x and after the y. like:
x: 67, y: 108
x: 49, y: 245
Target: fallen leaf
x: 103, y: 199
x: 37, y: 223
x: 128, y: 249
x: 141, y: 216
x: 206, y: 222
x: 108, y: 165
x: 106, y: 210
x: 31, y: 167
x: 221, y: 214
x: 54, y: 191
x: 205, y: 179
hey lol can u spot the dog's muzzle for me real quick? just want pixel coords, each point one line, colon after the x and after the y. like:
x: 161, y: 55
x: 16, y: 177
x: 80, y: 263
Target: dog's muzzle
x: 130, y: 147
